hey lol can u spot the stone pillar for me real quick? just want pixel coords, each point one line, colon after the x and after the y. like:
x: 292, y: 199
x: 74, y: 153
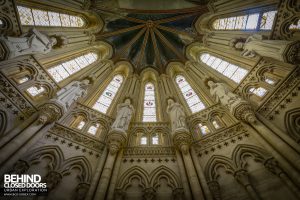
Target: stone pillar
x: 149, y: 194
x: 272, y: 165
x: 201, y: 176
x: 183, y: 176
x: 97, y: 175
x: 113, y: 182
x: 178, y: 194
x: 116, y: 139
x: 182, y: 140
x: 242, y: 177
x: 214, y: 188
x: 49, y: 113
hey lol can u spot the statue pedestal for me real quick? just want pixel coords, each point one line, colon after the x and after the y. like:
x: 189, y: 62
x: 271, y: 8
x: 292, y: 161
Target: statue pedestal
x: 116, y: 140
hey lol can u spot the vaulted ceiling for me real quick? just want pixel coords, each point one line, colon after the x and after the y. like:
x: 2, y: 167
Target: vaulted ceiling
x: 148, y: 38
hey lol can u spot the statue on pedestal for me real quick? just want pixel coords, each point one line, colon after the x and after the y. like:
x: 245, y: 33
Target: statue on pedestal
x: 124, y: 113
x: 71, y: 92
x: 177, y: 115
x: 33, y: 42
x: 283, y: 50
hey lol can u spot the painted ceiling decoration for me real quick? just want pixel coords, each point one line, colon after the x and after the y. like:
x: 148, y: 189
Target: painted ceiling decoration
x: 149, y: 39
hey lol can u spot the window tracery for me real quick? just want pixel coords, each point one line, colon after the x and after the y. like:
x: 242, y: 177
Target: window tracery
x: 253, y: 21
x: 229, y: 70
x: 66, y: 69
x: 106, y: 98
x: 37, y: 17
x: 190, y: 96
x: 149, y: 112
x: 34, y: 90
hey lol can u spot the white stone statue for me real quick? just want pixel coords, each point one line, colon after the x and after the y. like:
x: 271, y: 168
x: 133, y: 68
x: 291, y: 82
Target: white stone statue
x: 124, y: 113
x: 283, y: 50
x: 223, y: 95
x: 71, y: 92
x: 33, y: 42
x: 177, y: 116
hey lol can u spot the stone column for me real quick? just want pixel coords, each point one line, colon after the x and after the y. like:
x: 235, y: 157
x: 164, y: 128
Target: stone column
x: 272, y: 165
x: 183, y: 176
x: 149, y: 194
x: 242, y: 177
x: 97, y: 175
x: 116, y: 140
x: 113, y: 182
x: 201, y: 176
x: 214, y: 188
x: 182, y: 140
x: 49, y: 113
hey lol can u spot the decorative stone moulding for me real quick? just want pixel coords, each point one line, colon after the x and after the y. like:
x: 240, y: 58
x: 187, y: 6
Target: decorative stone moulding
x: 116, y: 140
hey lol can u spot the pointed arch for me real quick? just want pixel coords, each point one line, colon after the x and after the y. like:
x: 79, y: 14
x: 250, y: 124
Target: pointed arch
x: 164, y: 172
x: 292, y: 123
x: 216, y: 162
x: 134, y: 172
x: 80, y: 163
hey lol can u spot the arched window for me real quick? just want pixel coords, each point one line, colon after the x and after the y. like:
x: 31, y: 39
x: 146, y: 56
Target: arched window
x: 295, y: 26
x: 34, y: 90
x: 149, y: 113
x: 104, y: 101
x: 203, y: 129
x: 189, y: 95
x: 143, y: 140
x: 155, y: 140
x: 80, y: 125
x: 23, y: 79
x: 270, y: 81
x: 216, y: 124
x: 64, y: 70
x: 229, y: 70
x: 260, y: 91
x: 37, y: 17
x: 253, y: 21
x: 93, y: 129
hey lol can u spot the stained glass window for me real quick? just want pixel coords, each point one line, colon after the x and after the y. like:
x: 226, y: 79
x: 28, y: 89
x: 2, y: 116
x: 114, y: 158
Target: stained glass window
x: 190, y: 96
x: 254, y: 21
x: 81, y: 125
x: 155, y: 140
x: 37, y: 17
x: 204, y: 129
x: 64, y: 70
x: 143, y: 140
x: 229, y: 70
x: 34, y: 91
x: 295, y: 26
x: 104, y: 101
x: 93, y: 129
x: 149, y: 113
x: 260, y: 91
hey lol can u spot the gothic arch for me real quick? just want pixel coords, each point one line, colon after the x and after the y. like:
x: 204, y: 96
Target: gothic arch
x: 167, y: 173
x: 242, y: 151
x: 80, y: 163
x: 134, y: 172
x: 216, y: 162
x: 292, y: 123
x: 53, y: 152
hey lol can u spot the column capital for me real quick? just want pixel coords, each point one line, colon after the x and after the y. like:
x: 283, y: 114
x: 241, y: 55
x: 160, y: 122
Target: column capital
x: 149, y: 194
x: 182, y: 140
x: 272, y: 165
x: 214, y: 187
x: 116, y: 140
x: 242, y: 177
x: 243, y: 111
x: 178, y: 194
x: 50, y: 112
x: 52, y: 179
